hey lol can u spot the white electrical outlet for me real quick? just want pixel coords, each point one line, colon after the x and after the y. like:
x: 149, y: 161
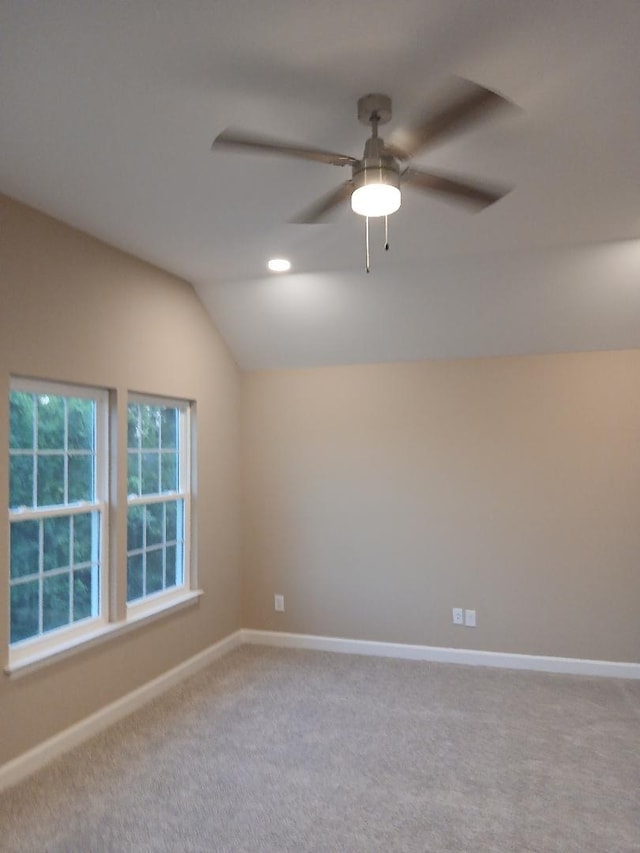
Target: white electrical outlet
x: 278, y: 603
x: 458, y: 616
x: 470, y: 618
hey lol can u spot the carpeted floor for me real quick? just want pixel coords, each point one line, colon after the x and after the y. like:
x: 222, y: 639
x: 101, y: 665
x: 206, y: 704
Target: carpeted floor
x: 272, y: 751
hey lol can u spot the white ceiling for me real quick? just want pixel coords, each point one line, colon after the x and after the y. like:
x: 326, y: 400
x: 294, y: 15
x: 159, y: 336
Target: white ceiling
x: 108, y: 110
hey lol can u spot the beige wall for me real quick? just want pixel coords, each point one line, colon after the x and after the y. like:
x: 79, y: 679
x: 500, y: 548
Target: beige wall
x: 376, y: 498
x: 76, y: 310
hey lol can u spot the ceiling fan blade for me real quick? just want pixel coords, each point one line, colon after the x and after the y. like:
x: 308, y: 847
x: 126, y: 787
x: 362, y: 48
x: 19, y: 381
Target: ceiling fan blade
x: 230, y: 138
x: 318, y: 211
x: 470, y: 103
x: 475, y: 194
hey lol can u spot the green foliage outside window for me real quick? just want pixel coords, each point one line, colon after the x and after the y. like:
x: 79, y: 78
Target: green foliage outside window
x: 154, y: 543
x: 50, y: 436
x: 54, y: 513
x: 53, y: 558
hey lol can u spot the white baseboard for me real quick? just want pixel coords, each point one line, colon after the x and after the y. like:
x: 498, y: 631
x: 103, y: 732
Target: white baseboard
x: 32, y: 760
x: 471, y: 657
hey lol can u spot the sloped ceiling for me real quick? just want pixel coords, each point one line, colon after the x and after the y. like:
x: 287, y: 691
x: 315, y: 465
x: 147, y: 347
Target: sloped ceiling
x: 108, y: 111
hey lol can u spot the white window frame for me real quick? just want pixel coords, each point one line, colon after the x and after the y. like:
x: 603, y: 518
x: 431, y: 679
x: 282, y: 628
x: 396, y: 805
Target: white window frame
x: 66, y: 635
x: 160, y: 600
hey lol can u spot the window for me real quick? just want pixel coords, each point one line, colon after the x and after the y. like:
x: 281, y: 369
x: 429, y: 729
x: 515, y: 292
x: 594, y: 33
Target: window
x: 57, y: 511
x: 158, y: 500
x: 63, y: 588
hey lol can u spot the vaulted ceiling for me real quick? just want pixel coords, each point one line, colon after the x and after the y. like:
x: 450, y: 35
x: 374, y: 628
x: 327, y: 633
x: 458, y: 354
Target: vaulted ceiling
x: 108, y: 111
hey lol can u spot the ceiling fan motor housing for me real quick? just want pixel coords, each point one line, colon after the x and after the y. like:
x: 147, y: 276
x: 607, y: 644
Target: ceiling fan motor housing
x: 376, y: 167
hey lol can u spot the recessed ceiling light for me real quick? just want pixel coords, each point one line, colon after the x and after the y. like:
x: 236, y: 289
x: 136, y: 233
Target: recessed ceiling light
x: 279, y: 265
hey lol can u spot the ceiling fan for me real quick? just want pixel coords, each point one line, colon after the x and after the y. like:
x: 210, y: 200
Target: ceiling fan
x: 376, y: 178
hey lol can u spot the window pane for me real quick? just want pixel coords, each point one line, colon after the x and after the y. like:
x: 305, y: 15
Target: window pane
x: 21, y: 481
x: 133, y: 426
x: 150, y: 426
x: 55, y: 601
x: 133, y: 474
x: 135, y: 527
x: 57, y: 535
x: 173, y: 576
x: 171, y: 507
x: 155, y: 464
x: 154, y: 571
x: 155, y: 524
x: 81, y: 422
x: 169, y: 471
x: 80, y: 478
x: 21, y: 419
x: 135, y: 587
x: 25, y: 548
x: 169, y: 428
x: 51, y: 480
x: 81, y: 594
x: 25, y: 610
x: 150, y: 474
x: 82, y: 537
x: 179, y: 564
x: 55, y: 566
x: 50, y: 422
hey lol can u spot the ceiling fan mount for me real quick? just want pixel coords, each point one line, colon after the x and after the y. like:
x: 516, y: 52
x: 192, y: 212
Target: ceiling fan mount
x: 374, y: 107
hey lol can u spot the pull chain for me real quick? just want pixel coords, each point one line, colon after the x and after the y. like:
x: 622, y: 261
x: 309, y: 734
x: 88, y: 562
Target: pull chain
x: 366, y: 244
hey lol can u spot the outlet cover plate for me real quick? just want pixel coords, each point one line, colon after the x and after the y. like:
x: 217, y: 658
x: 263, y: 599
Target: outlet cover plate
x: 458, y: 616
x: 470, y: 618
x: 278, y: 603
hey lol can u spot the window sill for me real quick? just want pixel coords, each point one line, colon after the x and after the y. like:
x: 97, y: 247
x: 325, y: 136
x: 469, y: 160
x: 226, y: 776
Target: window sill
x: 38, y: 660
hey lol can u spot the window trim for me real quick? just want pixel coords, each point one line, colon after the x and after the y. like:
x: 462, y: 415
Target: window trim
x: 155, y: 601
x: 47, y: 643
x: 68, y: 648
x: 34, y: 653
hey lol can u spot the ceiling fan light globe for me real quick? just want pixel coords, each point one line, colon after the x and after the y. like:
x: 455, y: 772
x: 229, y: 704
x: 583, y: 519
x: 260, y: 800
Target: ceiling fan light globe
x: 376, y: 200
x: 279, y: 265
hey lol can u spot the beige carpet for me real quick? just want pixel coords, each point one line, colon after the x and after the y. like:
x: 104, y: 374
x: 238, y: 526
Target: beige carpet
x: 277, y: 750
